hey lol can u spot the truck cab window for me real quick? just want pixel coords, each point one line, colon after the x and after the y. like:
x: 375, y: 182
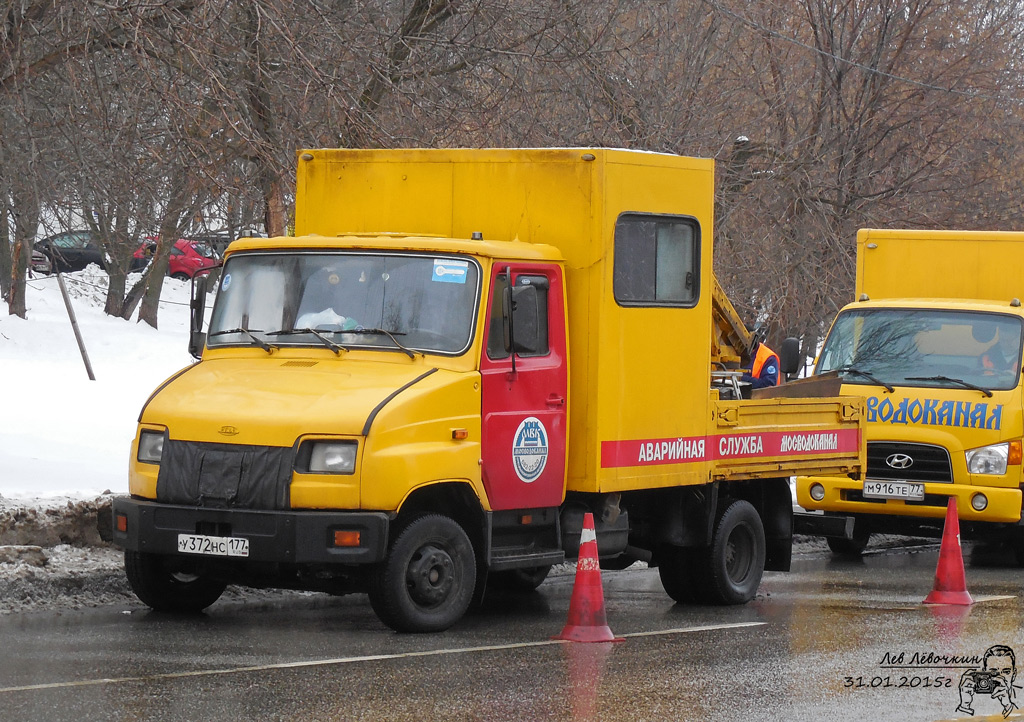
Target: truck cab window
x: 925, y: 347
x: 656, y: 260
x: 496, y: 326
x: 357, y: 299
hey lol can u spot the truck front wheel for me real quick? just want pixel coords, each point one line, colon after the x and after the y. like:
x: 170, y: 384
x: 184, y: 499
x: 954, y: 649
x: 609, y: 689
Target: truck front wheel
x: 734, y: 563
x: 169, y: 585
x: 427, y: 581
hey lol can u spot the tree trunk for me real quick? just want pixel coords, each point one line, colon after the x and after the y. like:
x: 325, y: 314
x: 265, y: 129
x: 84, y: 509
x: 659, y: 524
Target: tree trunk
x: 112, y: 239
x: 264, y: 123
x: 6, y: 262
x: 131, y: 300
x: 26, y: 222
x: 183, y: 201
x: 157, y: 271
x: 276, y: 212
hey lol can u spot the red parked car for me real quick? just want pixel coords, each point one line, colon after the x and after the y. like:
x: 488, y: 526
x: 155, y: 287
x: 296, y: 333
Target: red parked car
x: 187, y: 257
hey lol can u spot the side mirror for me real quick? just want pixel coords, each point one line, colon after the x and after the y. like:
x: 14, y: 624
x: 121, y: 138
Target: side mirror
x: 526, y: 311
x: 789, y: 356
x: 197, y: 307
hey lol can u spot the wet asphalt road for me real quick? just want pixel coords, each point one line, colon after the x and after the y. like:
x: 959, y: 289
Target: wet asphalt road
x: 811, y: 647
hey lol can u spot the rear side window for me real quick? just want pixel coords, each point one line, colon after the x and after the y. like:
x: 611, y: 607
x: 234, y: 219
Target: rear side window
x: 657, y: 260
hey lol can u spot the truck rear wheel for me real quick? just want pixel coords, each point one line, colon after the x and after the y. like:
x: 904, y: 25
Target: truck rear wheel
x: 169, y: 584
x: 733, y: 565
x: 426, y: 582
x: 679, y: 574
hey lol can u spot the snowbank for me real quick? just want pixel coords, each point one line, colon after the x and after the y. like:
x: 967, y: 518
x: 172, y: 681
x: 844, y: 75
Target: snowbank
x: 62, y: 435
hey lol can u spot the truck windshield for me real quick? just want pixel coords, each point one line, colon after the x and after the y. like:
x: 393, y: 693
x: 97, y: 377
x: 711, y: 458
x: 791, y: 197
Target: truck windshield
x: 913, y: 347
x: 354, y: 300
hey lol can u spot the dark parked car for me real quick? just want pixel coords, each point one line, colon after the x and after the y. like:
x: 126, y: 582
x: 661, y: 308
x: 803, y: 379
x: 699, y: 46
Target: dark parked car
x: 71, y: 251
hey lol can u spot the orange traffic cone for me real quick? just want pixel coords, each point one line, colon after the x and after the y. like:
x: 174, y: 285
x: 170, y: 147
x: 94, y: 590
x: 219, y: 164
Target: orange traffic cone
x: 950, y: 584
x: 587, y: 621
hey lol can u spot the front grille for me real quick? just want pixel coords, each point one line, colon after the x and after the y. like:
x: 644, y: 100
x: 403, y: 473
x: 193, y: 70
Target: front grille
x: 225, y: 475
x: 929, y: 463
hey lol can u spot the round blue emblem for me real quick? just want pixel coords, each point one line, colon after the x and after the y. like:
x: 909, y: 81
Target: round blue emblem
x: 530, y: 449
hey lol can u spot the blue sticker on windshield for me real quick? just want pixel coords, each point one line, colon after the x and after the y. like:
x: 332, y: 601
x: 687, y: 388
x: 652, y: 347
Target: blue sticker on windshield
x: 447, y: 271
x: 225, y: 282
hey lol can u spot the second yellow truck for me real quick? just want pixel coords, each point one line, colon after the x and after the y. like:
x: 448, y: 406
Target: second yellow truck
x: 933, y: 344
x: 460, y: 354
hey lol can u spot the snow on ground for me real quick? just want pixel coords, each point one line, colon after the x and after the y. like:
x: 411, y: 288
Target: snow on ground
x: 62, y: 435
x: 65, y: 440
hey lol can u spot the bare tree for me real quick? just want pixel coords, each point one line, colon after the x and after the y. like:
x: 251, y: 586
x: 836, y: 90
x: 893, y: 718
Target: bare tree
x: 857, y: 117
x: 185, y: 115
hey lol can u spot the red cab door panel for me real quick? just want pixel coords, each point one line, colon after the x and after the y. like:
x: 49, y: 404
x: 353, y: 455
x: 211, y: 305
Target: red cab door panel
x: 525, y: 410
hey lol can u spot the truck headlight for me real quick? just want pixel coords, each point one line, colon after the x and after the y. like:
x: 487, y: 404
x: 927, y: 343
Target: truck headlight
x: 151, y: 446
x: 988, y: 459
x: 333, y: 457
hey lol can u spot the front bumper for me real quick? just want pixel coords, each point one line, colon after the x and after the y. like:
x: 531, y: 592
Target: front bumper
x: 843, y: 495
x: 292, y: 537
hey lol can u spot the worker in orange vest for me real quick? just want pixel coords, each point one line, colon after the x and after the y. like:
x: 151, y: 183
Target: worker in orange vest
x: 764, y: 369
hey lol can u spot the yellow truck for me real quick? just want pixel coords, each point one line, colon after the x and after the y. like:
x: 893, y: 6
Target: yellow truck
x: 933, y: 344
x: 459, y: 354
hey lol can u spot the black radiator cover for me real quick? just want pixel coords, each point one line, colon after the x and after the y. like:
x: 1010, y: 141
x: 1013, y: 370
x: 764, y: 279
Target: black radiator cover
x: 225, y: 475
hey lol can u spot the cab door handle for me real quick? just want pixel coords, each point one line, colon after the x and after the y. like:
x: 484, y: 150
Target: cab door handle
x: 555, y: 401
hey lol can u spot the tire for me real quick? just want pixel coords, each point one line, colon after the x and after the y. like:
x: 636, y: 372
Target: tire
x: 1018, y: 554
x: 426, y: 582
x: 679, y: 574
x: 179, y: 276
x: 519, y: 580
x: 730, y: 569
x: 169, y: 584
x: 617, y: 564
x: 1017, y: 546
x: 849, y: 547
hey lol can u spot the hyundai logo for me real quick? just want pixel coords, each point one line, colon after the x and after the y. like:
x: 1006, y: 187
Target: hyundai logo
x: 899, y: 461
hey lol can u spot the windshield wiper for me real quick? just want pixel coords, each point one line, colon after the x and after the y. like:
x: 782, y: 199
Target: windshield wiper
x: 866, y: 375
x: 961, y: 382
x: 382, y: 332
x: 336, y: 348
x: 255, y: 340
